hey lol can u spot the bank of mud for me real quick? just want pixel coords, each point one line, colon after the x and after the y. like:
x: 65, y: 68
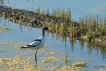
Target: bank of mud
x: 84, y: 30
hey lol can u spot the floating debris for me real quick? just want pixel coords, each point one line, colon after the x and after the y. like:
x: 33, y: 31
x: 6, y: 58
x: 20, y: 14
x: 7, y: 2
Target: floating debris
x: 49, y: 59
x: 17, y: 64
x: 102, y: 69
x: 6, y: 43
x: 51, y: 53
x: 102, y: 10
x: 78, y: 66
x: 54, y: 68
x: 18, y: 45
x: 1, y: 50
x: 4, y: 29
x: 15, y: 45
x: 46, y: 59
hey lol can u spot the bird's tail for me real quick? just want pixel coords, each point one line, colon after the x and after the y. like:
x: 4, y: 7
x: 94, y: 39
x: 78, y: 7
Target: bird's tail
x: 25, y: 47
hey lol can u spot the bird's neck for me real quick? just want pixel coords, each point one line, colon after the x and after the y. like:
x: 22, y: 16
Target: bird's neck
x: 44, y: 33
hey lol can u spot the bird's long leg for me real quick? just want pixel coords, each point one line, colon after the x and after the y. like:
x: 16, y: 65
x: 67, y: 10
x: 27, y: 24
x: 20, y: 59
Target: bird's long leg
x: 36, y: 57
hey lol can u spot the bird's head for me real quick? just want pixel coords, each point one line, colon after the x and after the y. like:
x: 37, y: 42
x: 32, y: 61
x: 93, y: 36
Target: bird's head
x: 44, y: 30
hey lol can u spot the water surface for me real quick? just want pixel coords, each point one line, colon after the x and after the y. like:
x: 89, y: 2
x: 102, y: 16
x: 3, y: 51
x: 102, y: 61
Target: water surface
x: 75, y: 50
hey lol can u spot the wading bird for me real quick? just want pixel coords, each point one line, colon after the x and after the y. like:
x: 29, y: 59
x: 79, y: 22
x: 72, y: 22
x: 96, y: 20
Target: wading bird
x: 38, y: 43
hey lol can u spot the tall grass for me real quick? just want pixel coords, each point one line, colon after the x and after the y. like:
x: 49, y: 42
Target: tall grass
x: 60, y: 13
x: 38, y: 10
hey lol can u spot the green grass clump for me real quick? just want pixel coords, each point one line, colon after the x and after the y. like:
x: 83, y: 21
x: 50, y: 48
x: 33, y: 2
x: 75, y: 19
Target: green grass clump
x: 38, y: 10
x: 60, y: 13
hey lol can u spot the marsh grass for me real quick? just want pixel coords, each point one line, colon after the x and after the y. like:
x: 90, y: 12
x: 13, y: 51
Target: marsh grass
x: 60, y: 13
x: 81, y: 23
x: 95, y: 27
x: 38, y: 10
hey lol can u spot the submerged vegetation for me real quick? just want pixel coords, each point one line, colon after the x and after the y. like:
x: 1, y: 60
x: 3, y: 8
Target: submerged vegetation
x: 1, y: 50
x: 14, y: 45
x: 19, y: 64
x: 22, y: 62
x: 4, y: 29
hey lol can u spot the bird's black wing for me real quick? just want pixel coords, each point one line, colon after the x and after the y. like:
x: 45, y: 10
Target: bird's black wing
x: 34, y: 43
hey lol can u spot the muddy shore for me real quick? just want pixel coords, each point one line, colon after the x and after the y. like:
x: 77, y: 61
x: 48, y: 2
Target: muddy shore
x: 59, y: 25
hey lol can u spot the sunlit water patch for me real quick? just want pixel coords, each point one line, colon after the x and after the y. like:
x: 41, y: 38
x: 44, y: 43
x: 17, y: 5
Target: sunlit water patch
x: 58, y: 53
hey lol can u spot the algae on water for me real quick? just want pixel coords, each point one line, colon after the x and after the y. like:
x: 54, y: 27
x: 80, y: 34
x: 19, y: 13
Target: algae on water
x: 12, y: 44
x: 19, y: 64
x: 1, y: 50
x: 4, y: 29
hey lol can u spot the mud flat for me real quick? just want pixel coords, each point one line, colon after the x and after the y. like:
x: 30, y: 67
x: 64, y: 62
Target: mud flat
x: 60, y: 22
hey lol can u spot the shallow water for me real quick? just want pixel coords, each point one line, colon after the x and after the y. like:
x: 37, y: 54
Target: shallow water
x: 75, y: 50
x: 22, y: 34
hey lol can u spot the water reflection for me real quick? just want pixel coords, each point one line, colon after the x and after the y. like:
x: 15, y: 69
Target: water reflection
x: 67, y: 57
x: 23, y: 27
x: 1, y: 2
x: 6, y: 22
x: 82, y: 44
x: 0, y: 19
x: 72, y: 42
x: 67, y: 49
x: 90, y: 46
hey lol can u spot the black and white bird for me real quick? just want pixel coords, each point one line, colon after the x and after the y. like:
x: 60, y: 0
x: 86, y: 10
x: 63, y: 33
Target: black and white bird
x: 38, y: 43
